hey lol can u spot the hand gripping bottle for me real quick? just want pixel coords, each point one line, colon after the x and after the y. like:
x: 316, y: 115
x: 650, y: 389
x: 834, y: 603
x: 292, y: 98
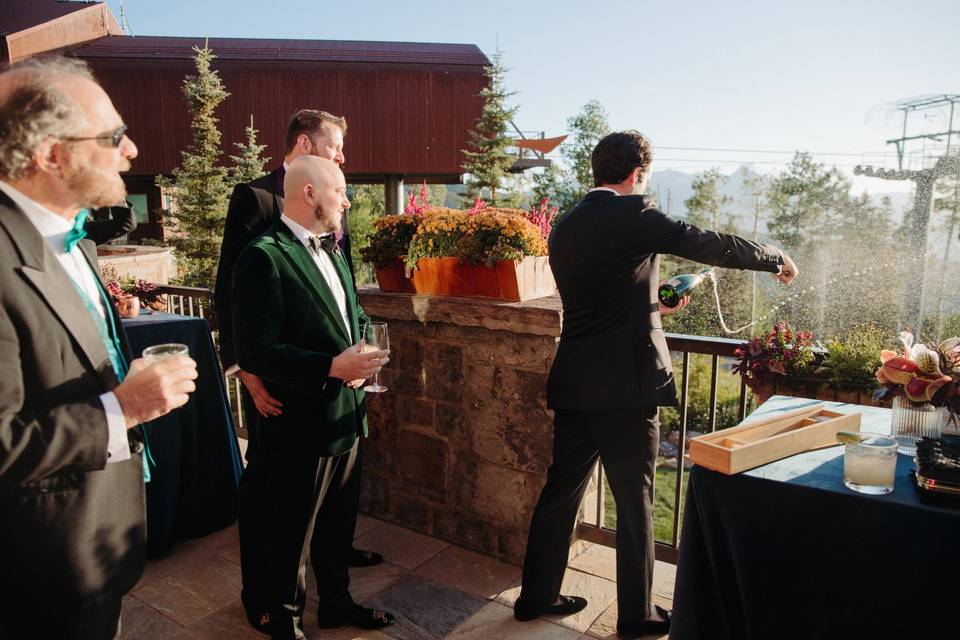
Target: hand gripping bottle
x: 676, y: 288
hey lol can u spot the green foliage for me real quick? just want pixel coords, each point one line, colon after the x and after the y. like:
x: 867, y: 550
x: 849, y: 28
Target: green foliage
x: 565, y: 186
x: 249, y: 164
x: 705, y: 206
x: 802, y: 199
x: 366, y: 205
x: 487, y: 161
x: 199, y: 188
x: 853, y: 359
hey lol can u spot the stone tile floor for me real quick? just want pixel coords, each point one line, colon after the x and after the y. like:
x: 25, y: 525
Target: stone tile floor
x: 436, y: 590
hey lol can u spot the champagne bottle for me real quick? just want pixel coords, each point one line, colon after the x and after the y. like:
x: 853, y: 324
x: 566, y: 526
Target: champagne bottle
x: 676, y: 288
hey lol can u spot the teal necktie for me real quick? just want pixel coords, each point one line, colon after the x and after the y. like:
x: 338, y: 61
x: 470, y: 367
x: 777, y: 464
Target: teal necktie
x: 111, y: 342
x: 76, y: 234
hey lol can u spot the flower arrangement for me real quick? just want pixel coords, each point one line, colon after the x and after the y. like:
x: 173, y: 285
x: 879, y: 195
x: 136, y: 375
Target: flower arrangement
x: 123, y: 287
x: 481, y: 235
x: 779, y: 354
x: 922, y: 374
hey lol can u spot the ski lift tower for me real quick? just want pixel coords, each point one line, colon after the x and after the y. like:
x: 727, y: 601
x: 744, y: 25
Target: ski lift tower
x: 924, y: 178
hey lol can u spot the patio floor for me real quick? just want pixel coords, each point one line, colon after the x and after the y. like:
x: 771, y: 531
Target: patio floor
x: 436, y: 590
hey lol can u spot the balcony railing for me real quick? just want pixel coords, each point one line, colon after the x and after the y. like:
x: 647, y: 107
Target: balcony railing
x: 194, y: 301
x: 593, y: 527
x: 198, y: 302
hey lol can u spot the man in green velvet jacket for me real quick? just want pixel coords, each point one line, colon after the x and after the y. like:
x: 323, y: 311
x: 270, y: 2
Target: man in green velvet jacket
x: 297, y: 325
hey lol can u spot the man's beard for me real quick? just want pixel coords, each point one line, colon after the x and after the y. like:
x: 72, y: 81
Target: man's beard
x: 95, y: 189
x: 329, y: 221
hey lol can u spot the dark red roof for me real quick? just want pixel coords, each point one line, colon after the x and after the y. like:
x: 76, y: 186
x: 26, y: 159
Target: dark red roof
x: 172, y: 48
x: 17, y: 15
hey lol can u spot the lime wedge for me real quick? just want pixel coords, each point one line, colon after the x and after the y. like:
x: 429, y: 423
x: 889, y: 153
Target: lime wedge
x: 849, y: 437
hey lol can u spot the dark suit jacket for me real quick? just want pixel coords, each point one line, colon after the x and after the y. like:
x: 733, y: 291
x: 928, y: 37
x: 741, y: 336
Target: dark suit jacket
x: 73, y: 526
x: 254, y: 206
x: 604, y: 256
x: 121, y: 221
x: 287, y: 330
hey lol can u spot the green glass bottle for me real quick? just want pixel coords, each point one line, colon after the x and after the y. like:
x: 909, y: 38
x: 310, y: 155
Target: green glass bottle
x: 676, y: 288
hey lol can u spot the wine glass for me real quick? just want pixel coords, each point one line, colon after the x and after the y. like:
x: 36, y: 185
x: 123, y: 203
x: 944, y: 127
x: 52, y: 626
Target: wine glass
x: 375, y: 337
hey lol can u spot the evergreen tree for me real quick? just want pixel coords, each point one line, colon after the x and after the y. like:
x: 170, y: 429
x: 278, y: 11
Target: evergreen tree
x: 249, y: 164
x: 366, y: 205
x: 199, y: 188
x: 487, y: 161
x: 707, y: 203
x: 567, y: 185
x: 801, y: 200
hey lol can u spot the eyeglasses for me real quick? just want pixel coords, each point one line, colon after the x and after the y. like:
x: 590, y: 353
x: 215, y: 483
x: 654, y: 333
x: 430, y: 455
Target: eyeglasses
x: 110, y: 139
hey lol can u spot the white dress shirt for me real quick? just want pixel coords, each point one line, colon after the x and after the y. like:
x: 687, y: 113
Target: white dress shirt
x: 604, y: 189
x: 54, y: 230
x: 325, y: 264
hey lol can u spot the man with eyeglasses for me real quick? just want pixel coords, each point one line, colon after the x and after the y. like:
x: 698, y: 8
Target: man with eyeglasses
x: 72, y: 540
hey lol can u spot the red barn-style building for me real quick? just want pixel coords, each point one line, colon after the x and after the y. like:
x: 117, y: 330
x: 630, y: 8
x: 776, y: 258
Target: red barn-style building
x: 409, y: 106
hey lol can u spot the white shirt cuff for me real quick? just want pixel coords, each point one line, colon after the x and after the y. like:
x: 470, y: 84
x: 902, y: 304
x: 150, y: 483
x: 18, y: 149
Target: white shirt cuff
x: 118, y: 447
x: 232, y: 371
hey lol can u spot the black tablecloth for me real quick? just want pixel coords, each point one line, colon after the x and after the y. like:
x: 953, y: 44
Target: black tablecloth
x: 787, y: 551
x: 193, y: 488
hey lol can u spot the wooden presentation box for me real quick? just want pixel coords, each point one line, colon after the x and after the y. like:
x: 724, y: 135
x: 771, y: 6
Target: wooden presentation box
x: 758, y: 442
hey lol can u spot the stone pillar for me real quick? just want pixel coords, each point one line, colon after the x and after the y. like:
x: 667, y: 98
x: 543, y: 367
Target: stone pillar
x: 393, y: 195
x: 459, y: 446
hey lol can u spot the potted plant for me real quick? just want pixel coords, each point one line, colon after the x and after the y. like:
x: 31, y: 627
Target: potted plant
x: 129, y: 293
x: 484, y: 251
x: 782, y: 360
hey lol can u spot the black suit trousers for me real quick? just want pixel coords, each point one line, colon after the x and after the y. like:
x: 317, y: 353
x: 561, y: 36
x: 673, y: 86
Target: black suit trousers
x: 626, y: 441
x: 334, y: 527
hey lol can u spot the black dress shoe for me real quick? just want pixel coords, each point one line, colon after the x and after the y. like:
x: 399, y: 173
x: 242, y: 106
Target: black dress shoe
x: 568, y: 605
x: 361, y: 558
x: 356, y: 616
x: 647, y: 628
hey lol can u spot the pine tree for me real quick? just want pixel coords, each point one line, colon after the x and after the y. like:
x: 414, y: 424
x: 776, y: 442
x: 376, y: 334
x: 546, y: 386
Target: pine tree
x: 199, y: 188
x: 567, y: 185
x: 249, y: 164
x: 487, y: 161
x: 707, y: 203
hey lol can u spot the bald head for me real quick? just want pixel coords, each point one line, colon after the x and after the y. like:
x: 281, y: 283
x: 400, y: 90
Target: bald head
x: 315, y: 193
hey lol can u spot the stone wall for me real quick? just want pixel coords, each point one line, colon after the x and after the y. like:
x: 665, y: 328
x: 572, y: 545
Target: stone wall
x: 460, y: 444
x: 153, y: 264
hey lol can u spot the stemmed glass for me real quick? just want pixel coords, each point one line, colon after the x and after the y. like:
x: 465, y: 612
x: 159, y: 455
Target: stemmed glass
x: 375, y: 335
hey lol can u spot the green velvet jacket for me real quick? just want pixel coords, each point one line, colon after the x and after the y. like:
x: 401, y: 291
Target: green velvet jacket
x: 287, y: 330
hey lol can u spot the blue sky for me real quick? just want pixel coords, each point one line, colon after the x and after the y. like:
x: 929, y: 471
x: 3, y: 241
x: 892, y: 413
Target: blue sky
x: 813, y: 75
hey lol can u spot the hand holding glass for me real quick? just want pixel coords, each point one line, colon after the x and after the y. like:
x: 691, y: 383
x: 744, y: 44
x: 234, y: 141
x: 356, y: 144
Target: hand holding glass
x: 160, y: 351
x: 375, y: 337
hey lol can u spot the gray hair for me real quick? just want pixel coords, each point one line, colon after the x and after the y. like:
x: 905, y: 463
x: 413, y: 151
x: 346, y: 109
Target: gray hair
x: 32, y: 109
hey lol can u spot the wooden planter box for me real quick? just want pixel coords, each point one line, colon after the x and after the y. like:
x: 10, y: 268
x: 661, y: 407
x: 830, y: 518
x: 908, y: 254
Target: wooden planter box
x: 818, y: 390
x: 513, y: 280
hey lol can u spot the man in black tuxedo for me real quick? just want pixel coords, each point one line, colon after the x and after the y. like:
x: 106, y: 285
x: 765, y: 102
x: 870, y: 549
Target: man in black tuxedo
x: 72, y: 541
x: 120, y: 221
x: 611, y: 372
x: 297, y: 326
x: 253, y: 208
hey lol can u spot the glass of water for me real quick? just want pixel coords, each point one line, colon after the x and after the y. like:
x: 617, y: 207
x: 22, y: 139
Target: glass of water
x: 870, y: 465
x: 161, y: 351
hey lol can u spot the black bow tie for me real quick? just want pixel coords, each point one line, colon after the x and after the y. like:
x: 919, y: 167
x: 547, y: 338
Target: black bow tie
x: 326, y: 241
